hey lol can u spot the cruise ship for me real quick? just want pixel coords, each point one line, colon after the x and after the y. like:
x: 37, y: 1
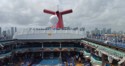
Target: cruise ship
x: 58, y: 46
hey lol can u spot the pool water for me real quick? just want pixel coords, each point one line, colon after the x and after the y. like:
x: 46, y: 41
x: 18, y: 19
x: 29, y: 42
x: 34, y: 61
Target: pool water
x: 48, y: 62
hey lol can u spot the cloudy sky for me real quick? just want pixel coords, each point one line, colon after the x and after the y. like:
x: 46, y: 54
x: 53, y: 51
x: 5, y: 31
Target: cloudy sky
x: 86, y: 13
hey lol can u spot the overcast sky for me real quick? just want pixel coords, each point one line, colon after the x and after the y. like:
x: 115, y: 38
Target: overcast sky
x: 86, y: 13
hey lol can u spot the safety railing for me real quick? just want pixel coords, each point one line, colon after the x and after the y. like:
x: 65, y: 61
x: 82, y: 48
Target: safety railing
x: 117, y: 54
x: 48, y: 31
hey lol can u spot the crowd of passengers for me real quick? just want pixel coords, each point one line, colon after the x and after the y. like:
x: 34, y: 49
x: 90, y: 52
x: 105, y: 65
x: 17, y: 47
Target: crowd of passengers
x: 22, y: 58
x: 9, y: 48
x: 29, y: 58
x: 5, y: 49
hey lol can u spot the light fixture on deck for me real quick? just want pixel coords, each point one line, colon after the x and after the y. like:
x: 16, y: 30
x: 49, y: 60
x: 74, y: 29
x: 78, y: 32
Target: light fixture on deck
x: 87, y: 56
x: 97, y: 65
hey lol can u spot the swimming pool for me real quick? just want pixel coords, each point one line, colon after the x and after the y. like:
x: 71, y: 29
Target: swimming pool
x: 49, y: 62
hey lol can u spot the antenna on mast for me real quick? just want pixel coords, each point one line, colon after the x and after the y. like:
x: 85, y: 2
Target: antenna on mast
x: 59, y: 6
x: 58, y: 9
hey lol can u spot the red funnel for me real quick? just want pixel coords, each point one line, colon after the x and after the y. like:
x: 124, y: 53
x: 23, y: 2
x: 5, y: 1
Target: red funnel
x: 59, y: 14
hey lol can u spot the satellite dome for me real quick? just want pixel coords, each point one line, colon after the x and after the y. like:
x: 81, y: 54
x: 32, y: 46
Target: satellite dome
x: 54, y: 19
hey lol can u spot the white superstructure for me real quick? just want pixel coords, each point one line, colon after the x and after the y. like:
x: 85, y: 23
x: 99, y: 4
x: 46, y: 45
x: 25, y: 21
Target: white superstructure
x: 48, y: 34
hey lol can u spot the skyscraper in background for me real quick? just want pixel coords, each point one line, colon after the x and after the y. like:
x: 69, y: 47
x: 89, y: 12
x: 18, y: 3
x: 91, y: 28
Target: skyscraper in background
x: 12, y: 31
x: 15, y: 29
x: 103, y: 31
x: 4, y: 33
x: 0, y: 31
x: 8, y: 32
x: 109, y: 31
x: 97, y: 31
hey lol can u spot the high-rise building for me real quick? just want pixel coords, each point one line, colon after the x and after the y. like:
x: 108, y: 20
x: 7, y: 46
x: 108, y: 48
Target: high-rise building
x: 15, y: 29
x: 109, y: 31
x: 87, y: 34
x: 4, y: 33
x: 0, y: 31
x: 8, y: 32
x: 12, y: 31
x: 103, y: 31
x: 97, y: 31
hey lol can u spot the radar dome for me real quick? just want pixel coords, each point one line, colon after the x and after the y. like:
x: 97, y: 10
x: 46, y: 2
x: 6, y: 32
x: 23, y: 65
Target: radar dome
x: 54, y: 19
